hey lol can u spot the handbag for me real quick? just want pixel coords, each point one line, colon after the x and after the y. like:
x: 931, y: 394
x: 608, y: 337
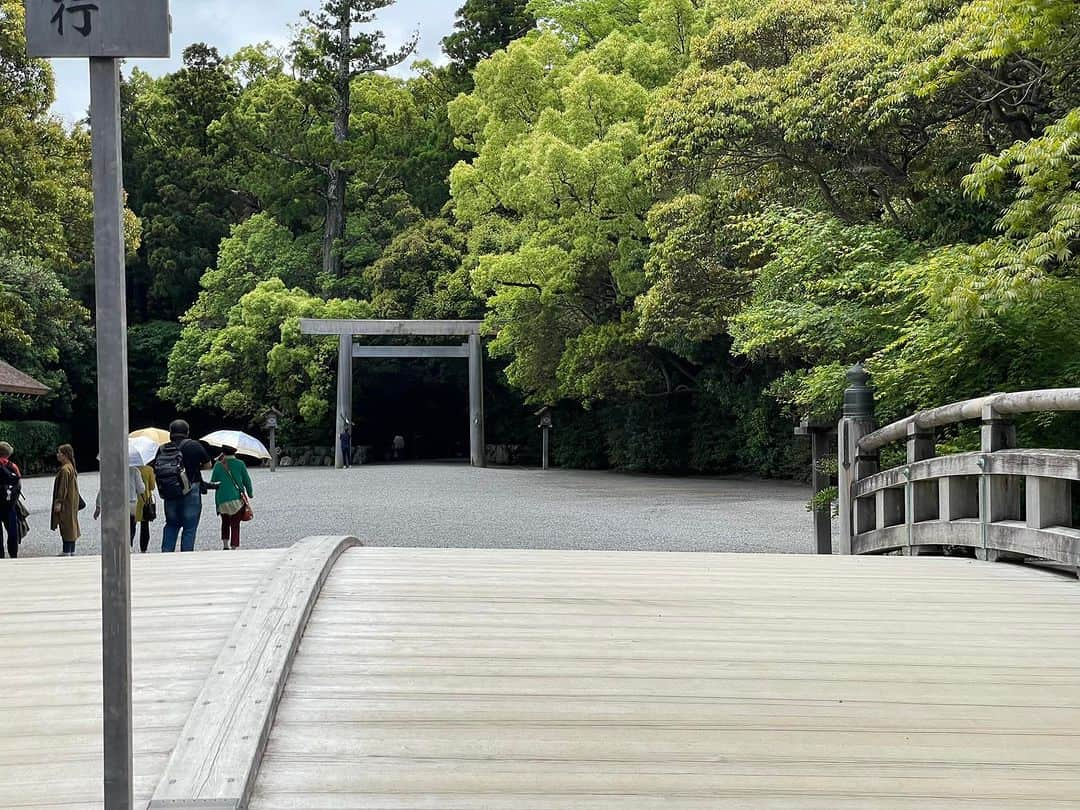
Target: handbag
x: 149, y: 510
x: 82, y: 503
x: 24, y: 515
x: 246, y: 512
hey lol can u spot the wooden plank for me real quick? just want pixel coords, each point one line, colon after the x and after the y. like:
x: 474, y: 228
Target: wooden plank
x: 50, y: 663
x: 510, y: 679
x: 219, y: 750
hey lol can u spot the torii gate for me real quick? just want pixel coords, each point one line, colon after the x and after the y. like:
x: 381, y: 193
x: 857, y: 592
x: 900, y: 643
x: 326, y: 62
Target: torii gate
x: 347, y: 329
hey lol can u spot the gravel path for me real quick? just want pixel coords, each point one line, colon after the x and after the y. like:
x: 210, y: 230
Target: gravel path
x: 453, y: 505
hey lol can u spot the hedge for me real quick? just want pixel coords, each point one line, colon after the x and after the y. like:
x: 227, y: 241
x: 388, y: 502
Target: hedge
x: 35, y: 443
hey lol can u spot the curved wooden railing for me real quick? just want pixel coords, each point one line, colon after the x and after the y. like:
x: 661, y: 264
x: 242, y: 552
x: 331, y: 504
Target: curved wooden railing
x: 1000, y: 500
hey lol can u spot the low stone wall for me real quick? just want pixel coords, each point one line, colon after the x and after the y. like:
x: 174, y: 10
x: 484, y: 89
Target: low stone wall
x: 322, y: 456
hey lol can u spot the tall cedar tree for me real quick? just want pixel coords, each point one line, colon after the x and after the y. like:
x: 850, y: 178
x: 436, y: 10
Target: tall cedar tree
x: 484, y: 27
x: 330, y: 53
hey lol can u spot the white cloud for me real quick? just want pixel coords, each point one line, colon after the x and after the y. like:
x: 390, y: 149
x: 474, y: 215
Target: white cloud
x: 230, y: 24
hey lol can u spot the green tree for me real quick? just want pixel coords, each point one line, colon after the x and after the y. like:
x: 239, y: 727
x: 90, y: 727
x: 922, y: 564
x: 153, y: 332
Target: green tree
x: 177, y: 176
x: 45, y: 333
x: 46, y: 207
x: 483, y: 27
x: 330, y: 54
x: 556, y: 200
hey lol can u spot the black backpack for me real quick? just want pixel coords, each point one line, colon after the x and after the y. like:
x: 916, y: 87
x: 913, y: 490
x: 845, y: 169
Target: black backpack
x: 172, y: 477
x: 10, y: 485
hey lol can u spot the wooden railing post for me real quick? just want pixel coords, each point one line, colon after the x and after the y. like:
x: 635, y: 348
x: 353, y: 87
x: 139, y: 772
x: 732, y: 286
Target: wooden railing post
x: 999, y: 494
x: 920, y: 497
x: 857, y: 421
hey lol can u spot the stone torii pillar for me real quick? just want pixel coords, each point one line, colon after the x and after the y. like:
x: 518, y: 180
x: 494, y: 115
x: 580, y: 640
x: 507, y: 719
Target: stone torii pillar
x: 347, y: 329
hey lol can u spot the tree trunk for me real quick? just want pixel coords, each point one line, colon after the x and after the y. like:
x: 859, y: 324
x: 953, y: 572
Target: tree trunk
x: 338, y: 177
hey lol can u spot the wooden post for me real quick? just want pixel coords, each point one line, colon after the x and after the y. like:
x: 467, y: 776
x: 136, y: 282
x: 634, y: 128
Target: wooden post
x: 344, y: 395
x: 477, y: 455
x: 820, y: 435
x: 273, y: 449
x: 109, y: 286
x: 108, y: 32
x: 854, y: 464
x: 921, y: 497
x: 999, y: 494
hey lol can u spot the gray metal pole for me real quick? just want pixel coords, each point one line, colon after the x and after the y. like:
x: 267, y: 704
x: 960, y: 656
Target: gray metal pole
x: 545, y: 449
x: 273, y: 449
x: 344, y: 395
x: 112, y: 429
x: 476, y: 402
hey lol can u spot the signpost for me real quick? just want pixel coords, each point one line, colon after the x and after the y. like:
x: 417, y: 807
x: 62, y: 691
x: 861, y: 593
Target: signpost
x: 104, y: 31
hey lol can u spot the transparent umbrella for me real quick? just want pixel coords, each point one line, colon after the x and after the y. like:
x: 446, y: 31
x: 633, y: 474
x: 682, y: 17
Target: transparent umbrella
x: 141, y: 450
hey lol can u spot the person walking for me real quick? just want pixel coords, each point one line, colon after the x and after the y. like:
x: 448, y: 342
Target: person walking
x: 145, y: 508
x: 233, y: 487
x: 178, y: 469
x: 399, y: 447
x: 136, y: 494
x: 66, y: 501
x: 10, y: 489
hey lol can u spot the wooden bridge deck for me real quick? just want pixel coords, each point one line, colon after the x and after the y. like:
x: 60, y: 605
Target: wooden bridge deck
x: 538, y: 679
x: 184, y: 605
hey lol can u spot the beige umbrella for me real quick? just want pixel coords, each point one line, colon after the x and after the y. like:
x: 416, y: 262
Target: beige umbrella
x: 157, y: 434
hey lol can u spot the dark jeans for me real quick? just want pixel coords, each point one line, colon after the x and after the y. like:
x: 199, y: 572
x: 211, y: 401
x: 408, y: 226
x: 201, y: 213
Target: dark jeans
x: 182, y: 513
x: 69, y: 546
x: 9, y: 522
x: 346, y: 451
x: 230, y: 529
x: 144, y: 534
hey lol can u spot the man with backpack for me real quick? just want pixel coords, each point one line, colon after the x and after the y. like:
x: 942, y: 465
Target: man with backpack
x: 10, y: 489
x: 178, y: 468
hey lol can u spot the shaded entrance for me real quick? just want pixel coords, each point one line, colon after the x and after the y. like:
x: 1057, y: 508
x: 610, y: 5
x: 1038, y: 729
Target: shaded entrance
x: 346, y: 330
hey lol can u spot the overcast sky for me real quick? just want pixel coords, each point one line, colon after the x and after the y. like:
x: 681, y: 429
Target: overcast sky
x: 229, y: 24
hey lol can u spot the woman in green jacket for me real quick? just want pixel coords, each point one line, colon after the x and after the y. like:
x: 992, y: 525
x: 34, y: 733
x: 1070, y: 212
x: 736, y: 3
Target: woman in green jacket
x: 233, y: 483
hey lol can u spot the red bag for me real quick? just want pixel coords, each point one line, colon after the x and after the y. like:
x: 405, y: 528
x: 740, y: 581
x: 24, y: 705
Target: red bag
x: 246, y: 512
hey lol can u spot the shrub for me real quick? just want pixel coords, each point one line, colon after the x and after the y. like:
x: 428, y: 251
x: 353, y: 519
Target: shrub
x: 35, y: 443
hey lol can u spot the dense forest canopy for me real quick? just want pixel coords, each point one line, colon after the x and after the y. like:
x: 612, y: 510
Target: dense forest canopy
x: 680, y: 219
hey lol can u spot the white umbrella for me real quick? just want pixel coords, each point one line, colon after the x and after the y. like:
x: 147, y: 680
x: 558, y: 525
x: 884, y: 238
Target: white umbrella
x: 141, y: 450
x: 245, y: 445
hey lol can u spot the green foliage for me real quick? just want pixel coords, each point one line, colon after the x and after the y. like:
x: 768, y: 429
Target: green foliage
x: 483, y: 27
x: 35, y: 444
x: 44, y: 333
x: 680, y: 220
x: 149, y: 346
x: 649, y: 435
x: 579, y: 440
x: 174, y: 174
x: 555, y: 201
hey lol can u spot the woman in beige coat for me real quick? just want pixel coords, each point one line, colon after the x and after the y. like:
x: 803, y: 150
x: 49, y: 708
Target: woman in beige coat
x: 65, y: 511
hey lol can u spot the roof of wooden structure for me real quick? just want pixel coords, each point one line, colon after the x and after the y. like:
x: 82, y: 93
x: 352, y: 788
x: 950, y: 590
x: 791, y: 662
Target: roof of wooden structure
x: 13, y: 381
x: 332, y: 676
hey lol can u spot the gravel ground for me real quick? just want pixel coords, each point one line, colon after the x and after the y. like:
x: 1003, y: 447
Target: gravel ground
x: 453, y: 505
